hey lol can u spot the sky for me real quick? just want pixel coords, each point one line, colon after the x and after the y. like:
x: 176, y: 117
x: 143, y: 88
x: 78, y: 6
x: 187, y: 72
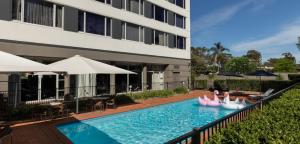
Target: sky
x: 271, y: 27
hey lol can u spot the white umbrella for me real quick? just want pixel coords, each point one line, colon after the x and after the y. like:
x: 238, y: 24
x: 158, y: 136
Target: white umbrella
x: 81, y: 65
x: 10, y: 63
x: 14, y: 64
x: 78, y: 65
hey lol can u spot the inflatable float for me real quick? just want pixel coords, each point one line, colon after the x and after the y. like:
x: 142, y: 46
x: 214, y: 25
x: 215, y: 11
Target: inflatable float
x: 233, y: 104
x: 208, y: 102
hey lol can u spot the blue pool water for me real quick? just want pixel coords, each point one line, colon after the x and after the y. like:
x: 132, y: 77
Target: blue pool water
x: 152, y: 125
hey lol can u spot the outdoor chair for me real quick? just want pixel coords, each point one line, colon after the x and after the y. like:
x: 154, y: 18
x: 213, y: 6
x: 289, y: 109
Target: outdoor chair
x: 99, y: 106
x: 256, y: 97
x: 111, y: 102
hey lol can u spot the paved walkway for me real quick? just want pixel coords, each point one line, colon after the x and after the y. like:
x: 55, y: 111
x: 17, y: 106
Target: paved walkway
x: 44, y: 132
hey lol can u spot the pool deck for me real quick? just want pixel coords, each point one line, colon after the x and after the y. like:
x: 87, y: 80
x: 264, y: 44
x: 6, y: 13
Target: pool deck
x: 44, y: 132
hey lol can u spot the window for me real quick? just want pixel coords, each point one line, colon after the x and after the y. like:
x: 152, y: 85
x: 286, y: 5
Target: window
x: 16, y: 9
x: 58, y: 21
x: 180, y: 3
x: 108, y: 27
x: 172, y: 41
x: 133, y: 6
x: 141, y: 34
x: 105, y: 1
x: 81, y: 21
x: 132, y: 32
x: 179, y: 21
x: 95, y: 24
x: 38, y: 12
x: 159, y: 14
x: 180, y: 42
x: 142, y: 7
x: 159, y: 38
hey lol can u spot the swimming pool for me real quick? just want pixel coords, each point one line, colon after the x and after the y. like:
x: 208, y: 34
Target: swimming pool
x: 151, y: 125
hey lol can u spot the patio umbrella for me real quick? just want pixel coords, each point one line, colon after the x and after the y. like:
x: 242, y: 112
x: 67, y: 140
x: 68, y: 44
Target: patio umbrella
x: 12, y: 64
x: 261, y: 73
x: 78, y: 65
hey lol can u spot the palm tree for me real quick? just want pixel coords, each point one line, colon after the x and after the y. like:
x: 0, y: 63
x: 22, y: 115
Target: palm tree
x: 216, y: 51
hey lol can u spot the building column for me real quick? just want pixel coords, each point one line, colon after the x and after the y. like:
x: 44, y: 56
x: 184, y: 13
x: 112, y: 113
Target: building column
x: 144, y: 78
x: 67, y: 84
x: 40, y: 77
x: 56, y: 86
x: 112, y: 84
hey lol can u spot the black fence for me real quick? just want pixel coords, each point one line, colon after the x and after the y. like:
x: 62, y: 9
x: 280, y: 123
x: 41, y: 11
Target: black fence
x: 203, y: 134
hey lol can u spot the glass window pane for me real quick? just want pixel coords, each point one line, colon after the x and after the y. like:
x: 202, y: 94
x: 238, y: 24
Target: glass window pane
x: 142, y: 34
x: 159, y: 13
x: 38, y: 12
x: 58, y: 16
x: 179, y: 21
x: 133, y: 6
x: 16, y: 9
x: 142, y: 7
x: 180, y: 3
x: 108, y: 27
x: 103, y: 1
x: 132, y: 32
x: 95, y: 24
x: 159, y: 38
x: 80, y: 21
x: 180, y: 42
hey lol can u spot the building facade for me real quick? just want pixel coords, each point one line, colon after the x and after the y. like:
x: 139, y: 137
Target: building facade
x: 149, y: 37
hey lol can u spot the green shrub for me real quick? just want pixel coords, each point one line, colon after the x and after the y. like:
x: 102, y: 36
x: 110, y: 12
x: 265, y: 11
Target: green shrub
x: 123, y: 100
x: 181, y: 90
x: 150, y: 94
x: 278, y: 122
x: 294, y: 76
x: 252, y: 85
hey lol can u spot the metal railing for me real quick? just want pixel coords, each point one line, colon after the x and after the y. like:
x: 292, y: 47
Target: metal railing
x: 204, y: 133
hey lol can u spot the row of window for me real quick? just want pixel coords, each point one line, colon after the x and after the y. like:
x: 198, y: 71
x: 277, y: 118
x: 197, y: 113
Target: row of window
x: 38, y: 12
x: 49, y: 14
x: 100, y: 25
x: 149, y: 10
x: 180, y: 3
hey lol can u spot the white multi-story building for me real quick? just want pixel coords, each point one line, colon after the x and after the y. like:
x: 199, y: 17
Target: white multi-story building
x: 150, y: 37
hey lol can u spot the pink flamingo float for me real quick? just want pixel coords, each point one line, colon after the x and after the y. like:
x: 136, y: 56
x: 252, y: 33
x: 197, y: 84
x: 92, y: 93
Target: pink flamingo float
x: 208, y: 102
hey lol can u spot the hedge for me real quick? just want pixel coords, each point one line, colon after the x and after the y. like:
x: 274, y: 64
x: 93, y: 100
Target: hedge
x: 294, y: 76
x: 200, y: 84
x: 278, y: 122
x: 150, y: 94
x: 251, y: 85
x: 181, y: 90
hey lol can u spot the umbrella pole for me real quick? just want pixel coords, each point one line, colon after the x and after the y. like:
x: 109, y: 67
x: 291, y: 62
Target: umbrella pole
x: 77, y: 105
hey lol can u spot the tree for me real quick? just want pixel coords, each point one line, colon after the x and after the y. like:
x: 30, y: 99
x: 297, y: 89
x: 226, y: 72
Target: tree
x: 289, y: 56
x: 270, y: 62
x: 285, y: 65
x: 199, y: 60
x: 254, y: 56
x: 240, y: 65
x: 218, y: 55
x: 216, y: 51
